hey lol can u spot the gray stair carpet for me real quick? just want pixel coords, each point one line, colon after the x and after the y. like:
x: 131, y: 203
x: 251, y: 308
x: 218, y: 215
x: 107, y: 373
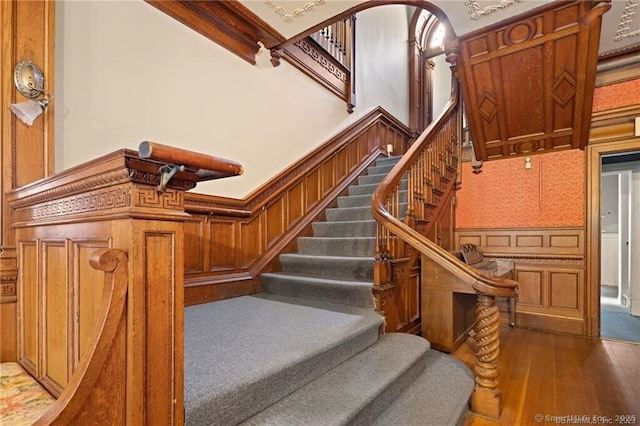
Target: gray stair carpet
x: 307, y: 350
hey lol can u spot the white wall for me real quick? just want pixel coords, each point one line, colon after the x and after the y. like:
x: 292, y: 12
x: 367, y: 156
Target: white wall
x: 630, y: 269
x: 126, y: 72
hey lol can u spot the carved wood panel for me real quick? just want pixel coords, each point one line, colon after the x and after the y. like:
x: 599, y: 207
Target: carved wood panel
x: 528, y: 82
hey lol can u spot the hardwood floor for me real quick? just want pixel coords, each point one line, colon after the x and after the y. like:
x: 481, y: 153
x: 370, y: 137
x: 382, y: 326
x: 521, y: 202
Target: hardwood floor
x: 543, y: 375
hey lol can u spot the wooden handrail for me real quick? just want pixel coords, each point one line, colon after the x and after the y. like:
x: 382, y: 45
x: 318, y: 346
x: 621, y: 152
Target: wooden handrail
x: 207, y: 166
x: 426, y: 161
x: 82, y: 388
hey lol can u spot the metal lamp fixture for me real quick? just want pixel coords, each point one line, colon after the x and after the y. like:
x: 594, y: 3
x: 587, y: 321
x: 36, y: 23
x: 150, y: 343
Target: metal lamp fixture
x: 29, y: 81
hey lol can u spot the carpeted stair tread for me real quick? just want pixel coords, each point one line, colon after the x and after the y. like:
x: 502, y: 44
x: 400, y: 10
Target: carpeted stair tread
x: 261, y: 348
x: 337, y: 246
x: 439, y: 396
x: 369, y: 189
x: 355, y: 392
x: 355, y: 228
x: 355, y: 267
x: 353, y: 293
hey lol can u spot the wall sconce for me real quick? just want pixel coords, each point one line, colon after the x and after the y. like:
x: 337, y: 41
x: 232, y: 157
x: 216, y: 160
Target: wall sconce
x: 527, y: 163
x: 389, y: 149
x: 29, y: 81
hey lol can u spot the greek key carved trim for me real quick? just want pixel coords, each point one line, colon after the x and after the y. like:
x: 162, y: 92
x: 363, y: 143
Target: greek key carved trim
x: 98, y: 200
x: 149, y: 197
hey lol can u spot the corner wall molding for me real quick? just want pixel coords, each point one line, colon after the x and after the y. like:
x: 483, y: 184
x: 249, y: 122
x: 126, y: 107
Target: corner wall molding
x: 288, y: 16
x: 475, y: 11
x: 624, y: 27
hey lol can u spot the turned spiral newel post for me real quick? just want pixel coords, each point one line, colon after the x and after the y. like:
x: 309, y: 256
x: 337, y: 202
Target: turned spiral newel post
x: 487, y: 398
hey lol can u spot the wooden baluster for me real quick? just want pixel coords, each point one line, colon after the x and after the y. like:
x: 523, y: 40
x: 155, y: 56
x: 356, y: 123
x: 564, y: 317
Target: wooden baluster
x: 486, y: 398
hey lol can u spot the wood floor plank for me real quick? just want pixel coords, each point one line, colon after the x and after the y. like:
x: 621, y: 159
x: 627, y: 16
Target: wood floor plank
x: 549, y: 379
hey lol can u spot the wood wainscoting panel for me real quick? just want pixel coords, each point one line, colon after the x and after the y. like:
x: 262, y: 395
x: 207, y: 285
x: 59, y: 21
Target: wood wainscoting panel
x: 275, y: 220
x: 250, y: 241
x: 223, y: 240
x: 565, y: 291
x: 159, y: 278
x: 549, y: 264
x: 56, y: 317
x: 531, y: 286
x: 194, y: 254
x: 29, y: 309
x: 87, y: 287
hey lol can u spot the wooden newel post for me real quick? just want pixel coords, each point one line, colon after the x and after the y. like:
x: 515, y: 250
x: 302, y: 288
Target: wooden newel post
x: 486, y: 399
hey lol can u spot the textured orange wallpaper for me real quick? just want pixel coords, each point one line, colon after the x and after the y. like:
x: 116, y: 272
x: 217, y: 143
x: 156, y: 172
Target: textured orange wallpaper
x: 616, y: 95
x: 506, y: 195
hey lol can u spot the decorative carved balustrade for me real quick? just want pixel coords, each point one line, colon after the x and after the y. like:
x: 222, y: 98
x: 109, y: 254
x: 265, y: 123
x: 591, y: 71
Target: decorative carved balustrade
x: 429, y: 170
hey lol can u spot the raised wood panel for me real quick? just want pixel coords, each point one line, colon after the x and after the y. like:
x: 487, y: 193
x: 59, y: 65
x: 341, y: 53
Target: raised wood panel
x: 296, y: 203
x: 275, y: 221
x: 529, y: 241
x: 159, y: 278
x: 496, y: 240
x: 327, y: 175
x: 564, y: 289
x: 313, y: 188
x: 531, y: 287
x: 250, y: 241
x: 88, y: 284
x: 194, y: 249
x: 8, y: 319
x: 29, y: 309
x: 512, y: 112
x: 57, y: 306
x: 223, y: 245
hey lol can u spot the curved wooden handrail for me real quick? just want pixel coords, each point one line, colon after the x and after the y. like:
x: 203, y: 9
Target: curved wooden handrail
x: 71, y: 402
x: 480, y: 283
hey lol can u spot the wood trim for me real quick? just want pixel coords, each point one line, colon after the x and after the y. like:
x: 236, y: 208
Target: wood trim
x: 228, y: 23
x: 593, y: 191
x: 28, y: 32
x: 235, y: 240
x: 307, y: 56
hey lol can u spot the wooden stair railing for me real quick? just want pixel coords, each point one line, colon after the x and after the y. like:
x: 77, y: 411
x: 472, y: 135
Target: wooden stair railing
x: 430, y: 166
x: 77, y: 403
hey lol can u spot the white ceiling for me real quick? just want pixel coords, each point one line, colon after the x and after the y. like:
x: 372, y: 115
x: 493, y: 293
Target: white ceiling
x: 620, y: 28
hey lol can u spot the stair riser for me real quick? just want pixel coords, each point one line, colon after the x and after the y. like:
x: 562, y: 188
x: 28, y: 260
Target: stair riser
x: 354, y: 213
x: 350, y: 214
x: 352, y: 294
x: 349, y: 268
x: 337, y: 247
x: 364, y: 200
x: 369, y: 189
x: 370, y: 179
x: 344, y: 229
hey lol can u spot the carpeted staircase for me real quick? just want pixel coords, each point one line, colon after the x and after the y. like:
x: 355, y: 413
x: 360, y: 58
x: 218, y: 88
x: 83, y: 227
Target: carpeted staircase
x: 308, y: 350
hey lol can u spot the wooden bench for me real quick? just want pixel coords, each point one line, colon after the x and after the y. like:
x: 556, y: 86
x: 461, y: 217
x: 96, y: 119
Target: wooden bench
x: 23, y: 398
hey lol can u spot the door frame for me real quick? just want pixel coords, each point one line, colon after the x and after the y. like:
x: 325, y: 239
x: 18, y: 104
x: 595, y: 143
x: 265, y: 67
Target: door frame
x: 594, y: 155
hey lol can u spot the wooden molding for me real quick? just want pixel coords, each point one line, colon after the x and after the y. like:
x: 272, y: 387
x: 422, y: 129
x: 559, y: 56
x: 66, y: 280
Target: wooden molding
x: 616, y: 124
x: 227, y: 23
